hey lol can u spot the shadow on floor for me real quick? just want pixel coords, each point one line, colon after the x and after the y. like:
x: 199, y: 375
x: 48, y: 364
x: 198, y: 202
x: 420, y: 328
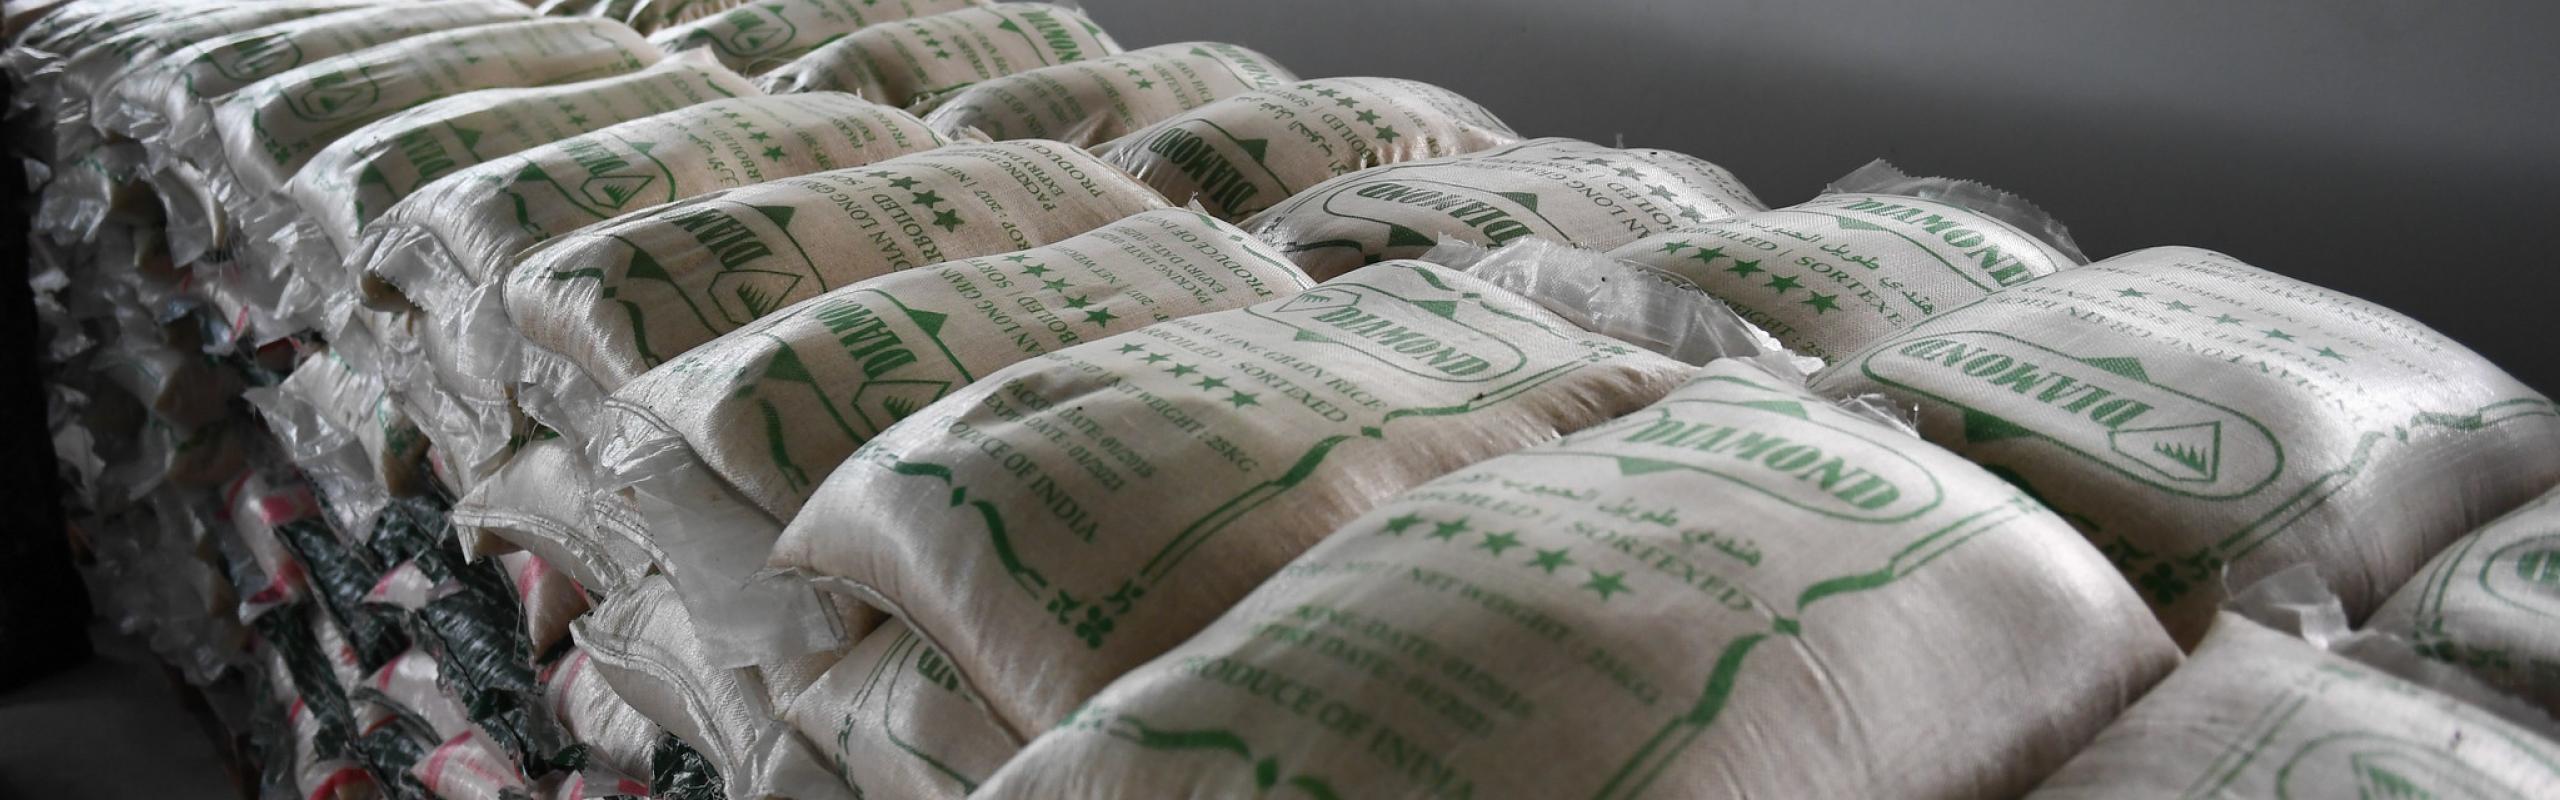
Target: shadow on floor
x: 113, y: 728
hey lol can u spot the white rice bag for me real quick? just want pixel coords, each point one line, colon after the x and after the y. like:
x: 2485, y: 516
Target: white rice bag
x: 2489, y: 602
x: 755, y: 37
x: 895, y: 720
x: 1248, y: 152
x: 908, y: 62
x: 1085, y: 103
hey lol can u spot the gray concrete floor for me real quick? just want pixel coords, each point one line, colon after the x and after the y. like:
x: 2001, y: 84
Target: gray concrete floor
x: 113, y: 728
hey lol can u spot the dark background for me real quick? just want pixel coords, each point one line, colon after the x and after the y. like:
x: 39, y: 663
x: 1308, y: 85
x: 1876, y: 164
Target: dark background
x: 2404, y: 152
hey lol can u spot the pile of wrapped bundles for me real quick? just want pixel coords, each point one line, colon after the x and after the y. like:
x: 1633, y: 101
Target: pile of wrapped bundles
x: 830, y: 399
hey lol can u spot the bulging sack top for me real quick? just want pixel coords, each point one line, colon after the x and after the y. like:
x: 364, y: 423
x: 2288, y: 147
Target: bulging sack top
x: 359, y: 405
x: 906, y: 62
x: 896, y: 721
x: 361, y: 176
x: 1248, y: 152
x: 2258, y: 713
x: 2490, y: 603
x: 774, y: 407
x: 1069, y: 517
x: 1565, y: 190
x: 2206, y: 422
x: 1736, y: 567
x: 1834, y: 274
x: 87, y: 80
x: 631, y: 293
x: 464, y: 232
x: 755, y: 37
x: 270, y: 129
x: 1085, y: 103
x: 173, y: 97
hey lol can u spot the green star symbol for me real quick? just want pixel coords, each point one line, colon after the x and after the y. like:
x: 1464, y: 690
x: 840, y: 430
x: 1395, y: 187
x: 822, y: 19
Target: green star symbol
x: 2180, y: 305
x: 1782, y: 283
x: 1662, y: 192
x: 927, y: 198
x: 1386, y: 133
x: 1017, y: 258
x: 1549, y: 560
x: 2132, y: 293
x: 747, y: 125
x: 2277, y: 333
x: 1744, y: 268
x: 773, y: 153
x: 1630, y: 172
x: 1595, y: 161
x: 577, y: 119
x: 1449, y: 530
x: 2225, y: 319
x: 1099, y: 316
x: 1674, y: 247
x: 760, y: 136
x: 1057, y: 285
x: 933, y: 41
x: 903, y: 182
x: 1078, y: 301
x: 1181, y: 369
x: 2328, y: 353
x: 941, y: 54
x: 1036, y: 270
x: 1327, y: 92
x: 1146, y: 84
x: 1241, y: 399
x: 1346, y: 102
x: 1708, y: 255
x: 1398, y: 525
x: 1607, y: 584
x: 947, y: 220
x: 1691, y: 213
x: 1210, y: 383
x: 1498, y: 542
x: 1366, y: 117
x: 1129, y: 348
x: 1134, y: 72
x: 1822, y: 303
x: 1156, y: 358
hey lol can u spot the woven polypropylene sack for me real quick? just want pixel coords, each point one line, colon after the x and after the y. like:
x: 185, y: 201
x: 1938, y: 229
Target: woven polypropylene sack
x: 2257, y: 713
x: 612, y: 730
x: 1249, y: 152
x: 179, y: 93
x: 1086, y: 103
x: 323, y: 778
x: 90, y: 76
x: 1069, y: 517
x: 541, y: 501
x: 622, y: 297
x: 908, y: 61
x: 2206, y: 422
x: 360, y: 406
x: 894, y: 720
x: 1564, y: 190
x: 470, y: 766
x: 644, y: 646
x: 756, y: 37
x: 1715, y: 576
x: 364, y: 174
x: 410, y: 685
x: 2490, y: 603
x: 549, y: 597
x: 267, y: 131
x: 258, y: 502
x: 454, y: 236
x: 1834, y: 274
x: 773, y: 408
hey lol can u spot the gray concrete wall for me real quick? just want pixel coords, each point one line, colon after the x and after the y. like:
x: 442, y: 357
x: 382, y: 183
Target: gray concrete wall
x: 2400, y: 151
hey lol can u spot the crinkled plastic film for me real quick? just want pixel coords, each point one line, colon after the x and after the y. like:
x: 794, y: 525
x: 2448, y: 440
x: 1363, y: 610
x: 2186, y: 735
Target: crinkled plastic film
x: 1086, y: 103
x: 1657, y: 311
x: 1880, y: 177
x: 901, y: 63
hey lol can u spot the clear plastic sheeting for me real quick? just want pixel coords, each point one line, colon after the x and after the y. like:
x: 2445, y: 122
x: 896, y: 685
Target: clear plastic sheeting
x: 1248, y: 152
x: 2205, y: 421
x: 1564, y: 190
x: 910, y: 63
x: 1086, y: 103
x: 1709, y: 598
